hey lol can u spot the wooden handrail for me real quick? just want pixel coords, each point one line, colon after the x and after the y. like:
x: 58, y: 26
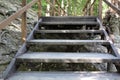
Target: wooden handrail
x: 24, y: 23
x: 39, y: 9
x: 112, y: 6
x: 7, y: 21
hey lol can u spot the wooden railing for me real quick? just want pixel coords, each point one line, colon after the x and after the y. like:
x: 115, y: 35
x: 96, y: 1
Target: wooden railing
x: 20, y: 12
x: 25, y: 7
x: 88, y: 8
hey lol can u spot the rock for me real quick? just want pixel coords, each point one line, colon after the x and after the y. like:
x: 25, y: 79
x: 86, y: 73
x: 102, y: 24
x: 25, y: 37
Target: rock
x: 5, y: 59
x: 2, y: 68
x: 96, y: 48
x: 10, y: 36
x: 8, y: 13
x: 2, y: 12
x: 2, y: 17
x: 116, y: 39
x: 111, y: 22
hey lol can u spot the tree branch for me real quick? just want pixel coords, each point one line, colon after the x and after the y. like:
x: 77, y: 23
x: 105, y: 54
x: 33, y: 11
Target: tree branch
x: 113, y: 7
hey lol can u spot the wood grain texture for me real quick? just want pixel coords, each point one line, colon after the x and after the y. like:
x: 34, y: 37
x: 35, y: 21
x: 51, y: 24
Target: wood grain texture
x: 63, y: 57
x: 65, y: 76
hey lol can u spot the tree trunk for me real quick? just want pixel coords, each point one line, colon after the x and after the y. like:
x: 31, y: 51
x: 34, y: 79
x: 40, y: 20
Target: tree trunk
x: 100, y: 10
x: 48, y: 10
x: 62, y: 5
x: 66, y: 8
x: 52, y: 9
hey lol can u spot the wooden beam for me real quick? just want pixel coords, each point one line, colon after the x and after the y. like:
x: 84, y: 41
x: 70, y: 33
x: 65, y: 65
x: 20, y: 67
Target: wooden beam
x: 69, y: 31
x: 23, y: 23
x: 112, y: 6
x: 65, y: 42
x: 16, y: 15
x: 69, y: 57
x: 39, y: 9
x: 100, y: 10
x: 65, y: 75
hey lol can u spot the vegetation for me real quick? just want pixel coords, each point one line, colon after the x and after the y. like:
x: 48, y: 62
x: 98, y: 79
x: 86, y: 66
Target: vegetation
x: 71, y: 7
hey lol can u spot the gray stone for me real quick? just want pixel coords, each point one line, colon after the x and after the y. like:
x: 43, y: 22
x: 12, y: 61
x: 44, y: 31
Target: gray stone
x: 5, y: 59
x: 10, y: 36
x: 96, y: 48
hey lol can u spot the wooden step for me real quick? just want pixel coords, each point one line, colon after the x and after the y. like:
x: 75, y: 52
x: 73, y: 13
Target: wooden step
x: 64, y: 76
x: 69, y: 31
x: 65, y: 42
x: 69, y: 27
x: 68, y: 18
x: 67, y: 57
x: 69, y: 23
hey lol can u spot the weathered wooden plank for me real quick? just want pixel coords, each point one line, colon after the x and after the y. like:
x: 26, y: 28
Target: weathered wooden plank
x: 65, y: 42
x: 69, y: 31
x: 69, y: 18
x: 67, y: 57
x: 65, y: 76
x: 23, y: 23
x: 69, y: 23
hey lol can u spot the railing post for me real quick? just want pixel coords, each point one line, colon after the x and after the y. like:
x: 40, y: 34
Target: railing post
x: 100, y: 10
x: 39, y: 9
x: 23, y: 23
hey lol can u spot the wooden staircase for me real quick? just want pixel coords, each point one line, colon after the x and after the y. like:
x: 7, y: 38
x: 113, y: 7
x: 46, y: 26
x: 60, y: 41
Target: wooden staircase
x: 89, y: 25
